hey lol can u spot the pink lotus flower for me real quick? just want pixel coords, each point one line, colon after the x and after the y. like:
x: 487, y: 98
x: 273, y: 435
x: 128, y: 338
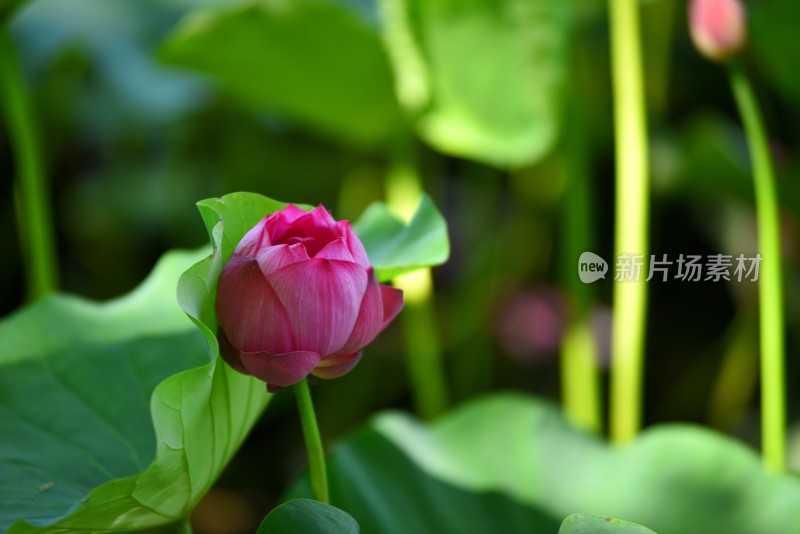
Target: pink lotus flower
x: 300, y: 297
x: 717, y: 27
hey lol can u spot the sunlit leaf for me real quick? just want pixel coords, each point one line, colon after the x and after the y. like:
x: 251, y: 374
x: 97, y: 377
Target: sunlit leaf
x: 484, y: 78
x: 394, y: 247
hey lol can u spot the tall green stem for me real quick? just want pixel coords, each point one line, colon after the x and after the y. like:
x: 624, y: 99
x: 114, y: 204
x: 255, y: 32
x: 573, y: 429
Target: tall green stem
x: 631, y: 220
x: 316, y: 454
x: 424, y: 354
x: 580, y: 379
x: 36, y: 232
x: 773, y: 410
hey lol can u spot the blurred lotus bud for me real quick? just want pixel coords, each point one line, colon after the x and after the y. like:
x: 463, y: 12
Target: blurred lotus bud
x: 530, y: 325
x: 718, y: 27
x: 300, y: 297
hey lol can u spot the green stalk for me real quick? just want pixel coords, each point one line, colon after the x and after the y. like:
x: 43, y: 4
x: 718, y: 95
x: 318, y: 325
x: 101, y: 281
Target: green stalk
x: 773, y: 410
x: 424, y: 354
x: 580, y: 379
x: 316, y: 454
x: 631, y: 219
x: 33, y: 206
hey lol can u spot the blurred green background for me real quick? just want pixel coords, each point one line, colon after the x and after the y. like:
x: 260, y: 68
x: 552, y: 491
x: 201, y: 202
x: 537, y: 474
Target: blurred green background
x: 146, y: 106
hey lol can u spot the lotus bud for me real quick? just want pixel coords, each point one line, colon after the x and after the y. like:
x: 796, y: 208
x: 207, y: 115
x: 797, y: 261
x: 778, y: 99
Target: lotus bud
x: 298, y: 297
x: 718, y: 27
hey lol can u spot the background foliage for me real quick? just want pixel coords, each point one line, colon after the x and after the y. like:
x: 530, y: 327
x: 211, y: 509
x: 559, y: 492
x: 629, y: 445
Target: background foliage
x: 146, y: 106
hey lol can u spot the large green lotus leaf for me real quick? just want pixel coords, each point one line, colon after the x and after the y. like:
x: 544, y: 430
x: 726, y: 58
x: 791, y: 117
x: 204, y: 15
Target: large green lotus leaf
x: 510, y: 463
x: 314, y: 61
x: 483, y: 78
x: 98, y: 431
x: 309, y: 517
x: 394, y: 247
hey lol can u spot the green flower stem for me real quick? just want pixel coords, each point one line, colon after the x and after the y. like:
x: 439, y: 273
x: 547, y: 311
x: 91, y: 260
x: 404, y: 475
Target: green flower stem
x: 631, y: 219
x: 33, y: 206
x: 316, y: 454
x: 773, y: 410
x: 424, y: 354
x: 580, y: 378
